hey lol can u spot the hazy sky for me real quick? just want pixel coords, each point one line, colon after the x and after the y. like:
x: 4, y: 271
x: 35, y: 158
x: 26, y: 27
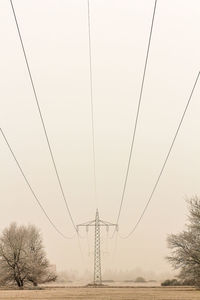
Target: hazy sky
x: 55, y: 35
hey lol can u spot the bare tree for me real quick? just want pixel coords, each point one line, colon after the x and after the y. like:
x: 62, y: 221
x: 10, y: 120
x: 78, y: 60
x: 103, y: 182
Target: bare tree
x: 185, y: 246
x: 22, y: 257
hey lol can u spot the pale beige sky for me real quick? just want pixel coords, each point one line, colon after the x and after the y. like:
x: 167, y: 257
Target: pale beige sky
x: 56, y: 39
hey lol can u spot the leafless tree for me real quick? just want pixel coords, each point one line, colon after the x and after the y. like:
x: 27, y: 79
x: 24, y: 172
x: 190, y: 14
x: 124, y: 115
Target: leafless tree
x: 22, y: 257
x: 185, y: 246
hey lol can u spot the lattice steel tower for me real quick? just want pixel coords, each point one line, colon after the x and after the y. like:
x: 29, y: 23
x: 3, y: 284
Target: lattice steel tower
x: 97, y: 251
x: 97, y: 223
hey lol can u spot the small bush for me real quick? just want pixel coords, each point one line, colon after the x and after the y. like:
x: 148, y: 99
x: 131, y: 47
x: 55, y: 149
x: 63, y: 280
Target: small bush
x: 172, y: 282
x: 175, y: 282
x: 140, y: 279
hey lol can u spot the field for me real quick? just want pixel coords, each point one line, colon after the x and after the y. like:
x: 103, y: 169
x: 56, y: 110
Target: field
x: 103, y: 294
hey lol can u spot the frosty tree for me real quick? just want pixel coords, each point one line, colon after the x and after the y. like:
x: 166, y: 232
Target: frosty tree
x: 185, y: 246
x: 22, y: 257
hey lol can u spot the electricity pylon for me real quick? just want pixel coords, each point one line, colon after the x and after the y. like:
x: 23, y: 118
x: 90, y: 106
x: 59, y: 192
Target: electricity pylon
x: 97, y: 223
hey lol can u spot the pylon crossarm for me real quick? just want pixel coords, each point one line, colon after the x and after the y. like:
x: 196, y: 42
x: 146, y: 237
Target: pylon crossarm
x: 105, y: 223
x: 86, y: 224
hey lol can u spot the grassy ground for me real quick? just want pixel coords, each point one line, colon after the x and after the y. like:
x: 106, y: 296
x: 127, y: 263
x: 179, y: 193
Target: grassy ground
x: 103, y: 294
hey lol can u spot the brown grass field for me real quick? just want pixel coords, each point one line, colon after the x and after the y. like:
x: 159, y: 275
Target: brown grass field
x: 103, y: 294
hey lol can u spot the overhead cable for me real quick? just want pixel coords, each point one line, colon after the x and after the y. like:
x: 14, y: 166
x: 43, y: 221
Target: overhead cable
x: 30, y: 187
x: 92, y: 101
x: 41, y: 116
x: 138, y: 111
x: 165, y: 161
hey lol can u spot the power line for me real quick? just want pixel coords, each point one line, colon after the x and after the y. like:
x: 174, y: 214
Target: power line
x: 137, y: 114
x: 30, y: 187
x: 40, y: 114
x: 91, y: 101
x: 88, y: 242
x: 165, y: 161
x: 80, y: 249
x: 114, y: 250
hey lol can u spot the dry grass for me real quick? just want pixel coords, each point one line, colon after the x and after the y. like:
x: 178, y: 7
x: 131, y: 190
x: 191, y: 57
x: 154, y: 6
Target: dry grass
x: 104, y: 294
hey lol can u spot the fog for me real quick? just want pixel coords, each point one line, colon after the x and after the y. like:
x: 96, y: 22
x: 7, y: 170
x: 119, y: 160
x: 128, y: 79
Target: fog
x: 55, y: 35
x: 124, y: 277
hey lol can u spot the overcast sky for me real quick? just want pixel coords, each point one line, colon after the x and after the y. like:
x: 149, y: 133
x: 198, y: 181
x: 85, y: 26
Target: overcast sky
x: 55, y: 35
